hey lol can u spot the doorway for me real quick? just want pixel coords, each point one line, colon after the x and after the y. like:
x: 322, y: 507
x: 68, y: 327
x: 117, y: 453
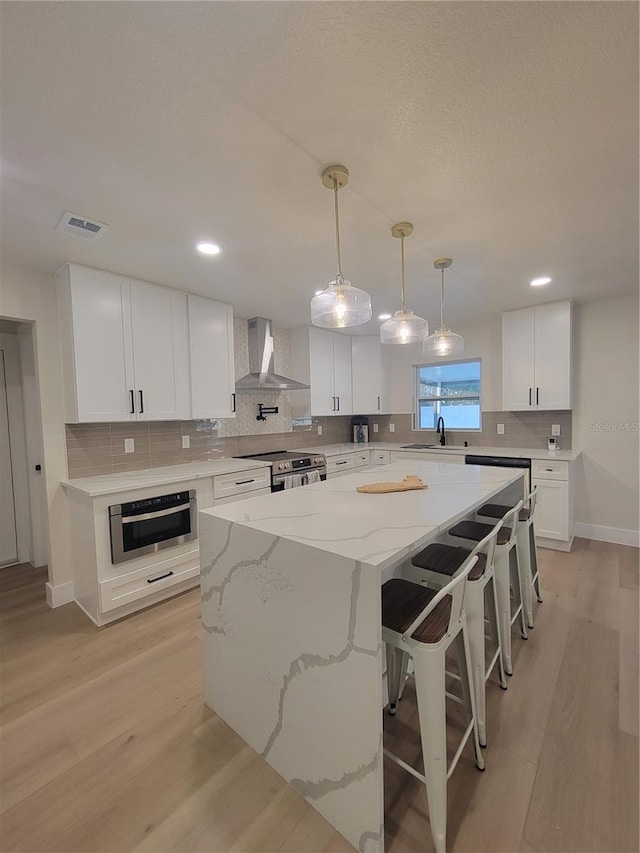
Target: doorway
x: 8, y: 532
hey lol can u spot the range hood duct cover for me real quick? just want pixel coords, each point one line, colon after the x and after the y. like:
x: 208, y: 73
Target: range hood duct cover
x: 262, y: 376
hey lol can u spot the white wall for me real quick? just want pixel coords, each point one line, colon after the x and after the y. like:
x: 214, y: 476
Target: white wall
x: 29, y: 295
x: 606, y: 392
x: 481, y: 340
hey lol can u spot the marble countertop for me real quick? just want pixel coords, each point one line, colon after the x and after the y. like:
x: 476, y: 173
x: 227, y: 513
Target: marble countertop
x: 108, y: 484
x: 376, y: 530
x: 517, y: 452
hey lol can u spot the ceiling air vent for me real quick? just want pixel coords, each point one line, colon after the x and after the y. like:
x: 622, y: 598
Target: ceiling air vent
x: 78, y: 226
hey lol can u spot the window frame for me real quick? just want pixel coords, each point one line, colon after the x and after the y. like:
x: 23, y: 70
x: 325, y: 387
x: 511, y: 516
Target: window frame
x: 417, y: 399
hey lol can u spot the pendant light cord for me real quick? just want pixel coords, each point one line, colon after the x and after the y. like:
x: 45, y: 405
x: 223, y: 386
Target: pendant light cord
x: 442, y: 299
x: 402, y: 261
x: 339, y: 277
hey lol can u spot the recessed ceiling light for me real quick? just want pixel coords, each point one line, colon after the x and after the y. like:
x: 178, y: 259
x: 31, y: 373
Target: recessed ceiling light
x: 538, y: 282
x: 208, y: 248
x: 384, y: 316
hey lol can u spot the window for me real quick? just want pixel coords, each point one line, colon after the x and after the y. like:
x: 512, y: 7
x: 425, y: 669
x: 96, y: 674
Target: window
x: 450, y: 391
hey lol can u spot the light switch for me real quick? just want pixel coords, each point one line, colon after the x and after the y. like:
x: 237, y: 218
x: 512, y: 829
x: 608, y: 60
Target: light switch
x: 129, y: 445
x: 500, y: 429
x: 392, y: 427
x: 555, y: 429
x: 319, y: 430
x: 375, y: 427
x: 186, y: 442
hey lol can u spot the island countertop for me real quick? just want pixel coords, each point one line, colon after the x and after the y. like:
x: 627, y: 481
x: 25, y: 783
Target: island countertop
x: 374, y: 529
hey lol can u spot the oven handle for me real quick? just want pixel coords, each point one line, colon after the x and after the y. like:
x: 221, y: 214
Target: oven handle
x: 149, y: 515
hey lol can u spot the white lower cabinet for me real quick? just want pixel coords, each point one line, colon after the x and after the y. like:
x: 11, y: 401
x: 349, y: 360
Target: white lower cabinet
x: 553, y: 517
x: 238, y: 485
x: 339, y: 465
x: 380, y: 457
x: 363, y: 458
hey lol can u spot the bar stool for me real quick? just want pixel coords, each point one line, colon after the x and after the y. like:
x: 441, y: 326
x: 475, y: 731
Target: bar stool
x: 526, y: 545
x: 475, y: 531
x: 421, y: 623
x: 439, y: 562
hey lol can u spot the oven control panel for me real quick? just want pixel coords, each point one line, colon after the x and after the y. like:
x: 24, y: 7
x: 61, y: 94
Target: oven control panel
x: 303, y: 463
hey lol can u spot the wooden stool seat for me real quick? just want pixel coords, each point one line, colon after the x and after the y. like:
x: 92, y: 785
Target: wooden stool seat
x: 447, y: 559
x: 402, y: 601
x: 477, y: 530
x: 499, y: 511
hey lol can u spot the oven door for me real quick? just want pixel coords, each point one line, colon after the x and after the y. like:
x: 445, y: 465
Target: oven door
x: 170, y: 521
x: 292, y: 481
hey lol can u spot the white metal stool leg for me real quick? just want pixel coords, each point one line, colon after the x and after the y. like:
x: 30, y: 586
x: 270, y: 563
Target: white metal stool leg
x: 523, y: 546
x: 429, y: 673
x: 494, y: 624
x: 534, y: 560
x: 474, y: 606
x: 503, y: 595
x: 394, y: 674
x: 518, y: 586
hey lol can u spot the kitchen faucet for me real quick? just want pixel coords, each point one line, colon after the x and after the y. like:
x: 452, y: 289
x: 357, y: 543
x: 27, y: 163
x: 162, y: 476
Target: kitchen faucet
x: 440, y: 432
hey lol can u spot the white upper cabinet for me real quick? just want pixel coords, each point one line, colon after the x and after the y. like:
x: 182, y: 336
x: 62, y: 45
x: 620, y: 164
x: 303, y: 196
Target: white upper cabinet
x: 211, y: 352
x: 369, y: 387
x: 124, y: 348
x: 536, y: 358
x: 322, y: 359
x: 160, y: 352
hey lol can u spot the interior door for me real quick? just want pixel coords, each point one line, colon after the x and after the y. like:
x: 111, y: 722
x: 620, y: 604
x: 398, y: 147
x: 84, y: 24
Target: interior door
x: 160, y: 352
x: 8, y: 537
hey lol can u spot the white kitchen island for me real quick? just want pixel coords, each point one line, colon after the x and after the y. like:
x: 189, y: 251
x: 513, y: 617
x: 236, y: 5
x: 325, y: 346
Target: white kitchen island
x: 291, y: 611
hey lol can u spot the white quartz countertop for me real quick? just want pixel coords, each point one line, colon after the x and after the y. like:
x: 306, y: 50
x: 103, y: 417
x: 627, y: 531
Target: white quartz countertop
x: 377, y: 530
x: 108, y: 484
x: 516, y: 452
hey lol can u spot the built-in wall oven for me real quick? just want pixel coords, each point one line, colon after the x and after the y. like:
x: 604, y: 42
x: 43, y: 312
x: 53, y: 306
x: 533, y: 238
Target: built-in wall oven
x: 153, y: 524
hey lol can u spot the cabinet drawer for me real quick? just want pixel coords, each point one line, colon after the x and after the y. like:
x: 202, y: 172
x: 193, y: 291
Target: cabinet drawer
x: 340, y: 464
x: 363, y: 458
x: 243, y: 497
x: 134, y: 585
x: 381, y: 457
x: 236, y: 484
x: 551, y: 470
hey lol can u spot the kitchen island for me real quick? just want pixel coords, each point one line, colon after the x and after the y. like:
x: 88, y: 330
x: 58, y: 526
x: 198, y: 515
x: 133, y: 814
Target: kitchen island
x: 291, y: 611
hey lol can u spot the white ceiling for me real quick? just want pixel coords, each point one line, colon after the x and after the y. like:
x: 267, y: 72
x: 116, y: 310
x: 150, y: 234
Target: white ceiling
x: 506, y: 132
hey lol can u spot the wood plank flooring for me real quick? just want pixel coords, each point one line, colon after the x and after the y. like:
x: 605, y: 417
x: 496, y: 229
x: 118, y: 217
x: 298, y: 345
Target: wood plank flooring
x: 106, y: 746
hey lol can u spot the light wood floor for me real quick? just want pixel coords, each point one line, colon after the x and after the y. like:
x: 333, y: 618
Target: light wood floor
x: 106, y: 747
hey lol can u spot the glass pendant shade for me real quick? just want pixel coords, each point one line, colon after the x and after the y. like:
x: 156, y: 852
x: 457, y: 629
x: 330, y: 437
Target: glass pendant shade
x: 404, y: 327
x: 443, y: 343
x: 340, y: 305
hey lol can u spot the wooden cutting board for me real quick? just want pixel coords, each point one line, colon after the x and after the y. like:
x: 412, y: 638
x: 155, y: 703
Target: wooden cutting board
x: 408, y: 484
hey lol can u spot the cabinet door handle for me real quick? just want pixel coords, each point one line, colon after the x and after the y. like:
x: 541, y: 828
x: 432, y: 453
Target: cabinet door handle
x: 233, y: 402
x: 378, y: 403
x: 529, y: 396
x: 537, y: 395
x: 141, y: 403
x: 159, y: 578
x: 334, y: 404
x: 338, y: 399
x: 346, y: 462
x: 242, y: 482
x: 132, y: 410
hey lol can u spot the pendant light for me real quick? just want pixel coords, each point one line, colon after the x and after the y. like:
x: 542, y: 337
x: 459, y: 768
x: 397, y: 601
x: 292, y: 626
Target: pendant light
x: 340, y: 305
x: 404, y: 327
x: 443, y: 342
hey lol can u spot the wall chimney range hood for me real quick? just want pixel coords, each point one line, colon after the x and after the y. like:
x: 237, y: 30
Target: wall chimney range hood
x: 262, y: 376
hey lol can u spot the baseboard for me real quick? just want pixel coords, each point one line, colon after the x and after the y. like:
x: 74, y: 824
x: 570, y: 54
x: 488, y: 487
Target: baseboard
x: 60, y: 594
x: 600, y: 533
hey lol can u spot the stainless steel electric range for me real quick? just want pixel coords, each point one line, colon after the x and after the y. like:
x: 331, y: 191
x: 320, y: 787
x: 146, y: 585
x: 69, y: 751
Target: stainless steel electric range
x: 290, y: 469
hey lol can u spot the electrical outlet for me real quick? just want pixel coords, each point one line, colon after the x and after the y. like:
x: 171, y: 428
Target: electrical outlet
x: 375, y: 427
x: 129, y: 445
x: 555, y: 429
x: 500, y: 429
x: 319, y: 430
x: 392, y: 427
x: 186, y: 442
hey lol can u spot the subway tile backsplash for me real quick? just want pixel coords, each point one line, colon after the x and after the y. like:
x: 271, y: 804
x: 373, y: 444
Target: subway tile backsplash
x: 521, y: 429
x: 94, y: 449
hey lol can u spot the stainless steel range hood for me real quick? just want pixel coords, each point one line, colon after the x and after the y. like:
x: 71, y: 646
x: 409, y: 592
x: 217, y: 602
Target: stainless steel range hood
x: 262, y: 376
